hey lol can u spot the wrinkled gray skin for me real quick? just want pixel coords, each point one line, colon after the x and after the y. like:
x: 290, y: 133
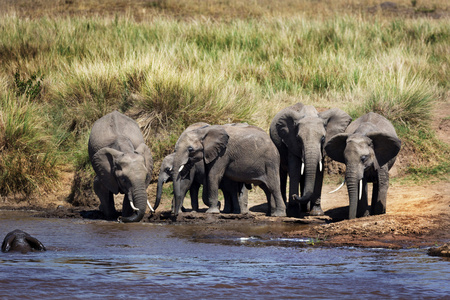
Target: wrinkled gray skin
x: 20, y: 241
x: 299, y: 132
x: 240, y: 153
x: 235, y: 194
x: 191, y: 182
x: 123, y: 164
x: 368, y: 148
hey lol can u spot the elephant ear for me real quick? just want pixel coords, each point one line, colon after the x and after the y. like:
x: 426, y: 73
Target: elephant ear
x: 335, y: 147
x: 214, y: 142
x: 103, y: 164
x: 35, y: 243
x: 385, y: 146
x: 287, y: 129
x: 143, y: 150
x: 336, y: 121
x: 6, y: 246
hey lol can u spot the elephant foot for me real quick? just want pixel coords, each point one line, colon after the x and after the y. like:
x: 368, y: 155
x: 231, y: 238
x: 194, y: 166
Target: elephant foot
x: 316, y: 211
x: 278, y: 213
x: 213, y: 210
x: 227, y: 211
x: 299, y: 200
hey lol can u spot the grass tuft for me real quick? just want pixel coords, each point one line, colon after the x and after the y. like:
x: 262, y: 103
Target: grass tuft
x: 27, y: 162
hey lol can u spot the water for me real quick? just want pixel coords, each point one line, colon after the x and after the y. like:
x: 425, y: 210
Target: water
x: 106, y: 260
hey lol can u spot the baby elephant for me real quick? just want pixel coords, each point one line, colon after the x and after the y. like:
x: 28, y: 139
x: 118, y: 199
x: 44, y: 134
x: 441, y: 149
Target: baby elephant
x: 368, y: 148
x: 21, y: 241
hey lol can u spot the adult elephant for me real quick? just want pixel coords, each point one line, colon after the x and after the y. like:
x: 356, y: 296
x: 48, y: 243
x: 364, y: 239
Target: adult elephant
x: 241, y: 153
x: 21, y: 241
x: 123, y: 164
x: 299, y: 132
x: 368, y: 148
x: 235, y: 194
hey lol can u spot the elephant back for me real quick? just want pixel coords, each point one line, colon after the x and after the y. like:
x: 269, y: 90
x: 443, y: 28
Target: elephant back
x: 107, y: 130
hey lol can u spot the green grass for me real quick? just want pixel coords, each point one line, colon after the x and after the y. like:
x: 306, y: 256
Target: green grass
x: 27, y: 158
x: 169, y: 73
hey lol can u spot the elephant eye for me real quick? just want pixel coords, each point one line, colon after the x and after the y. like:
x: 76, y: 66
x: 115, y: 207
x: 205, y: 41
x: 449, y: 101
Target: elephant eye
x: 322, y: 140
x: 190, y: 149
x: 364, y: 158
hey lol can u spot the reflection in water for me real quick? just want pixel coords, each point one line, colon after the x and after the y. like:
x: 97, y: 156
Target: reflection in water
x: 97, y: 259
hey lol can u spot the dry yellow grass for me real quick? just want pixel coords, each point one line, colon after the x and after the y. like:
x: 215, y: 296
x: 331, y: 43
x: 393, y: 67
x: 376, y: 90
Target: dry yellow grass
x: 143, y: 10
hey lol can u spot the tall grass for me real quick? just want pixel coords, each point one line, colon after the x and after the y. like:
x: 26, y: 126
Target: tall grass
x: 27, y: 160
x: 168, y: 74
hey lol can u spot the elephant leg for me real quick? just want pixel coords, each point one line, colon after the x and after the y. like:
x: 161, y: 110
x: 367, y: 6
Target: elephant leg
x: 243, y: 199
x: 283, y: 183
x: 235, y: 190
x: 213, y: 193
x: 228, y: 198
x: 273, y: 194
x: 235, y: 201
x: 193, y: 191
x: 316, y: 209
x: 380, y: 192
x: 270, y: 202
x: 126, y: 207
x: 363, y: 206
x: 106, y: 200
x: 294, y: 166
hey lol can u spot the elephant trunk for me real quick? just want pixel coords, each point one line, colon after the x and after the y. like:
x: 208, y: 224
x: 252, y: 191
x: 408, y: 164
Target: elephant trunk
x: 310, y: 172
x: 138, y: 201
x: 159, y: 188
x: 354, y: 193
x: 178, y: 196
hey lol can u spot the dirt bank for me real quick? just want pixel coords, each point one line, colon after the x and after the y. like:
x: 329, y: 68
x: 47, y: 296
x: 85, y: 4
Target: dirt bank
x: 417, y: 216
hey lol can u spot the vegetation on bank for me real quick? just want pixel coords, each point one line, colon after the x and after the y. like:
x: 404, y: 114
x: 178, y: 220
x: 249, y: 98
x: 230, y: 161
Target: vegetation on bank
x: 59, y: 74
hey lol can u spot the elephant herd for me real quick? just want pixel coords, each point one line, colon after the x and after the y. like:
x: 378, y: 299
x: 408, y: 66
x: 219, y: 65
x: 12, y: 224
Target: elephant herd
x: 233, y: 157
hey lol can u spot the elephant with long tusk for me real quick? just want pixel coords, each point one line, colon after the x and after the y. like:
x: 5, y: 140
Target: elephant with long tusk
x: 300, y: 132
x: 123, y: 164
x: 368, y: 148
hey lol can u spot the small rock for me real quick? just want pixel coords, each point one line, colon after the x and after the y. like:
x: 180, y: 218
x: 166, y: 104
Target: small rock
x: 443, y: 251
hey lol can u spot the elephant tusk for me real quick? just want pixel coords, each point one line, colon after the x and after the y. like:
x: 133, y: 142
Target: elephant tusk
x: 342, y: 184
x: 320, y: 166
x: 302, y: 169
x: 181, y: 168
x: 133, y: 207
x: 360, y: 189
x: 150, y: 206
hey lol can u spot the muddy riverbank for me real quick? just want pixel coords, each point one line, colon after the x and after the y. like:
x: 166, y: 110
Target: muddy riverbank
x: 417, y: 216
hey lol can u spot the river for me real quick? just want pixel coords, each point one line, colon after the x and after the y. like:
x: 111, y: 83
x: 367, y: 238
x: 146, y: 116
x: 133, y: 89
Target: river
x: 90, y: 259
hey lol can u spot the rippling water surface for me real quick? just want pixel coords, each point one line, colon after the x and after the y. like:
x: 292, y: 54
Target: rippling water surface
x: 98, y: 260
